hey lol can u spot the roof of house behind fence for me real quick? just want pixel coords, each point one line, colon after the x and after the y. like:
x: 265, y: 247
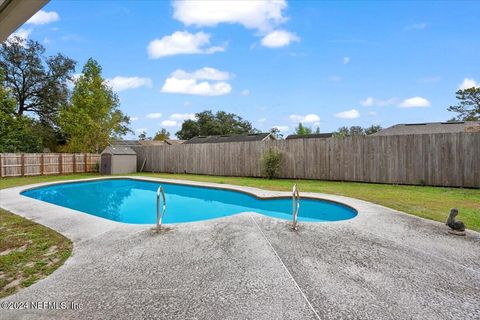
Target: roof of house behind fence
x: 309, y: 136
x: 138, y: 143
x: 174, y: 142
x: 430, y: 127
x: 231, y: 138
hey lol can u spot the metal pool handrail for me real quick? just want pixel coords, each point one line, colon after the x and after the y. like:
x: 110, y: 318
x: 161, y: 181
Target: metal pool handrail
x: 295, y: 206
x: 160, y: 191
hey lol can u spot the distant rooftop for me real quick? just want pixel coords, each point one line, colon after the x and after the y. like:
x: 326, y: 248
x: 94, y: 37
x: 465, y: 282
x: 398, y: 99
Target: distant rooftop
x: 137, y: 143
x: 231, y: 138
x: 309, y: 136
x: 174, y: 142
x: 430, y: 127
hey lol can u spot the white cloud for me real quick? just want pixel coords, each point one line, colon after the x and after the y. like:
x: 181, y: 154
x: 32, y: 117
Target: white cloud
x: 346, y: 60
x: 261, y: 120
x: 140, y: 130
x: 348, y: 114
x: 43, y: 17
x: 154, y: 115
x: 20, y: 33
x: 468, y: 83
x: 134, y: 118
x: 182, y: 116
x: 205, y: 73
x: 169, y: 123
x: 245, y: 92
x: 184, y: 82
x: 371, y: 102
x: 192, y: 86
x: 125, y: 83
x: 309, y: 118
x: 279, y: 38
x: 368, y: 102
x: 182, y: 42
x: 282, y: 128
x: 264, y: 16
x: 415, y: 102
x: 260, y: 15
x: 176, y: 119
x: 372, y: 113
x: 75, y: 77
x: 416, y: 26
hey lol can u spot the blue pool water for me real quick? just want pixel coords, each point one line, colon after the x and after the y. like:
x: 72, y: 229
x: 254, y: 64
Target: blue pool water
x: 134, y: 201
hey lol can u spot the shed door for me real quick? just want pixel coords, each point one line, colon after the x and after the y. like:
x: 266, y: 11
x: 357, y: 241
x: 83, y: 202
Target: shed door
x: 106, y: 164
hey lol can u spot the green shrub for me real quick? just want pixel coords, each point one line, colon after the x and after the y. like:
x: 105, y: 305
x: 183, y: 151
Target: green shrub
x: 271, y: 163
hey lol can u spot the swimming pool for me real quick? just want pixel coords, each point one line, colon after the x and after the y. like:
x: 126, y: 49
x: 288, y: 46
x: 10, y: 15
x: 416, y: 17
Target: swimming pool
x: 134, y: 201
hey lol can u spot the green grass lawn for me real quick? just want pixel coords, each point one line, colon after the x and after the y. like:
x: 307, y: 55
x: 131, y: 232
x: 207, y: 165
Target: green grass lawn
x: 28, y: 252
x: 427, y: 202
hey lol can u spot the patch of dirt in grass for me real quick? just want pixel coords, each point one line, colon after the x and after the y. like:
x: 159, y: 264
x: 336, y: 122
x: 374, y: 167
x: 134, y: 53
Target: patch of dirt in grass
x: 28, y: 252
x: 20, y: 249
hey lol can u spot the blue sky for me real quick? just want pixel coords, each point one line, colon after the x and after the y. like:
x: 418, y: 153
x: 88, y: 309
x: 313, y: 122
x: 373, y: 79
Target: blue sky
x: 275, y: 63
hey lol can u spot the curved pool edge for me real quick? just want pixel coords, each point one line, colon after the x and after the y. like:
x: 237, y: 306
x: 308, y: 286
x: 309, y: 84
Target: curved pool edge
x: 78, y: 226
x: 378, y: 228
x: 259, y: 194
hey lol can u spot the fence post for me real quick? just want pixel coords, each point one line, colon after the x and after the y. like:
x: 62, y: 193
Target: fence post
x: 60, y: 163
x: 22, y: 166
x: 1, y: 166
x: 74, y: 163
x: 85, y: 163
x: 42, y: 165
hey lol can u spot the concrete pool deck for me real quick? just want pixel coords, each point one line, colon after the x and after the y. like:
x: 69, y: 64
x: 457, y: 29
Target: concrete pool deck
x: 383, y: 264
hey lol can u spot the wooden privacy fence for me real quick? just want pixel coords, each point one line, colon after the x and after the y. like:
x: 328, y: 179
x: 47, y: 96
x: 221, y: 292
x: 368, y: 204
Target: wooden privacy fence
x: 33, y: 164
x: 451, y: 159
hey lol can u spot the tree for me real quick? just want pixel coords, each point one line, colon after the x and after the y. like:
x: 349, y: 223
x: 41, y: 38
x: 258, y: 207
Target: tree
x: 468, y: 108
x: 206, y: 123
x: 342, y: 132
x: 38, y: 83
x: 357, y: 131
x: 142, y: 136
x: 93, y: 119
x: 276, y: 133
x: 349, y: 131
x: 190, y: 129
x: 17, y: 132
x: 162, y: 135
x: 372, y: 129
x: 301, y: 130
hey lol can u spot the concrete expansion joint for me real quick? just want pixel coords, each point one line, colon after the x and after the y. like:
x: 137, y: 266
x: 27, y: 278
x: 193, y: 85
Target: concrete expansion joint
x: 286, y: 269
